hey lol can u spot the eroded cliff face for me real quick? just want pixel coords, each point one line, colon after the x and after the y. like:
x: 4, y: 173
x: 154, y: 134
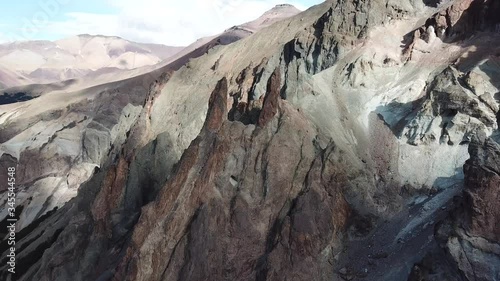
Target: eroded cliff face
x: 482, y: 183
x: 59, y: 146
x: 69, y: 129
x: 331, y: 148
x: 244, y: 197
x: 469, y: 236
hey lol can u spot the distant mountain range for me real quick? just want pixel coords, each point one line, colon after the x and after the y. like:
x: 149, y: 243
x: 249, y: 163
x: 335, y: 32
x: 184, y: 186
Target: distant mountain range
x: 41, y: 62
x: 28, y: 62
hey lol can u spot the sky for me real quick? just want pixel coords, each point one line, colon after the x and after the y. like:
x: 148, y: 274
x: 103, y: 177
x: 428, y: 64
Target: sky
x: 170, y: 22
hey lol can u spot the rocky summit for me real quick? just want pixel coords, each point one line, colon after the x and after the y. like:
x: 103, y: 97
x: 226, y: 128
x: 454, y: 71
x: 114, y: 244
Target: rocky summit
x: 357, y: 140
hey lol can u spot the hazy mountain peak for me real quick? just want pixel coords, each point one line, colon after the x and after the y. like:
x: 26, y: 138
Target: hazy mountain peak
x: 284, y: 7
x: 282, y: 10
x: 99, y: 36
x: 277, y: 13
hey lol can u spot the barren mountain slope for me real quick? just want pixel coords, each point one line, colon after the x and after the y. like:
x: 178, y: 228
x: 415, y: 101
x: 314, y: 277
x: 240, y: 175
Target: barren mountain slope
x: 9, y: 78
x: 105, y: 75
x: 81, y: 123
x: 327, y: 146
x: 238, y: 32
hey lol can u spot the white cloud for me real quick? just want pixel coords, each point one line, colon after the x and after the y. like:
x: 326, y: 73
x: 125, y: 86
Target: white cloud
x: 3, y: 38
x: 80, y: 23
x: 171, y: 22
x: 175, y: 22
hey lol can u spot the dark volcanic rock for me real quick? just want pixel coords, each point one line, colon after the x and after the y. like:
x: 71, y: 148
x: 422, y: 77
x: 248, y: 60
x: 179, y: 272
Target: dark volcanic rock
x: 482, y: 181
x: 470, y: 237
x: 254, y: 201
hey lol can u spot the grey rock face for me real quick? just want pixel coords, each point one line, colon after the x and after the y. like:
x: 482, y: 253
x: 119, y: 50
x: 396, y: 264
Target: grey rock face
x: 450, y: 112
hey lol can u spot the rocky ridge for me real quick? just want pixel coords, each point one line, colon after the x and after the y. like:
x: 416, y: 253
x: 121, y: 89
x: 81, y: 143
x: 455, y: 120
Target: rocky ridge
x: 319, y: 149
x: 78, y: 130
